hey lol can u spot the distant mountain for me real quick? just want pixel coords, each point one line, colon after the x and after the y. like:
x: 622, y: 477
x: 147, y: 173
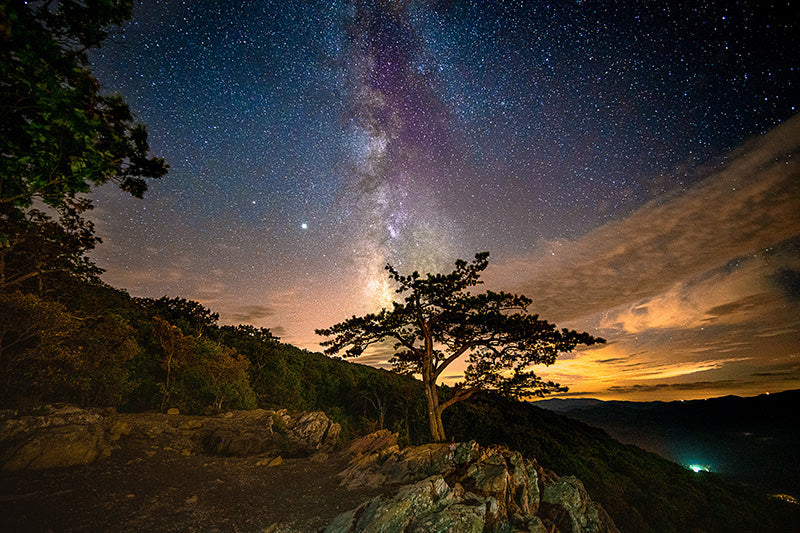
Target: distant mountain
x: 563, y: 405
x: 753, y: 440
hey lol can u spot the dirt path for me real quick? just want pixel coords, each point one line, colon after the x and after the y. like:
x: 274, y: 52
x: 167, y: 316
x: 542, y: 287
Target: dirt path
x: 142, y: 488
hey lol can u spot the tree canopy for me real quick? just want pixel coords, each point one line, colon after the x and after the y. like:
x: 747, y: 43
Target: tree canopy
x: 58, y: 135
x: 439, y: 321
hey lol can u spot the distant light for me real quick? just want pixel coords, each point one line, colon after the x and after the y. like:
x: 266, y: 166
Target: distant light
x: 304, y: 226
x: 699, y: 468
x: 786, y: 498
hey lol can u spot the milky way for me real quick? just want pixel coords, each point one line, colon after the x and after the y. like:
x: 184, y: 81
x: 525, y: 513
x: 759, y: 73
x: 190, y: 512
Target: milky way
x: 594, y: 148
x: 398, y: 123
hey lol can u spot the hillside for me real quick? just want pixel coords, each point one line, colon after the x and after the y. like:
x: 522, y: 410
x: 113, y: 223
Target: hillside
x: 149, y: 355
x: 641, y: 490
x: 751, y: 440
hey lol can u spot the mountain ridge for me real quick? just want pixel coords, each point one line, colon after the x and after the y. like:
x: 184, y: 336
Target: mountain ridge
x: 748, y: 439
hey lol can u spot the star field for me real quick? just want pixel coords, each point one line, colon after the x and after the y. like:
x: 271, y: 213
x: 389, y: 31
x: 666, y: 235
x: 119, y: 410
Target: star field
x: 312, y: 142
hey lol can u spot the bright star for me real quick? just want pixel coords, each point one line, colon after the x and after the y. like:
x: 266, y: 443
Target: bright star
x: 304, y: 225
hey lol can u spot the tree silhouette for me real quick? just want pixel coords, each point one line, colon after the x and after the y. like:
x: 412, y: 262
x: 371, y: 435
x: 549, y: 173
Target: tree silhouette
x: 439, y: 321
x: 60, y: 136
x: 35, y: 247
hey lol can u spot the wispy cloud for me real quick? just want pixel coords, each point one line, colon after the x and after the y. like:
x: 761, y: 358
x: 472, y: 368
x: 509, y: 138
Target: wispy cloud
x: 679, y: 387
x: 750, y: 205
x: 698, y: 282
x: 249, y: 314
x: 725, y: 295
x: 792, y: 371
x: 594, y: 365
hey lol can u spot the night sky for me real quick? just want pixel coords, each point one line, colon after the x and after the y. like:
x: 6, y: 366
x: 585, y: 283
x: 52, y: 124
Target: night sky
x: 631, y: 166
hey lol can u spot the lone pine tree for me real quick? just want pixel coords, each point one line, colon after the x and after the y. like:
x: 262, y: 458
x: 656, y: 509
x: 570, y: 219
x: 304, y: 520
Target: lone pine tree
x: 439, y: 321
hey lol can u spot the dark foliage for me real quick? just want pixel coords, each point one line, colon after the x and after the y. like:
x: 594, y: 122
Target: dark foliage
x: 95, y: 345
x: 59, y: 138
x: 58, y: 135
x: 641, y: 491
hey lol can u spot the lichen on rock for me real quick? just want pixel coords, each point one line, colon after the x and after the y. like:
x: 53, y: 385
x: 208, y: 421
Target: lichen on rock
x: 567, y: 504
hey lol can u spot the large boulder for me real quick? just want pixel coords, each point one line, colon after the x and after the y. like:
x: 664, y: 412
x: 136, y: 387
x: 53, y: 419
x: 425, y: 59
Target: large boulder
x: 392, y: 515
x: 379, y: 460
x: 313, y: 431
x: 241, y: 434
x: 221, y: 441
x: 378, y: 441
x: 60, y: 436
x: 506, y: 478
x: 419, y: 462
x: 245, y: 433
x: 524, y: 476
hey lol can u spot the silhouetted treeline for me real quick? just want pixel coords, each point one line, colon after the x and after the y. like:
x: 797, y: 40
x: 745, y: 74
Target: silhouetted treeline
x: 93, y: 345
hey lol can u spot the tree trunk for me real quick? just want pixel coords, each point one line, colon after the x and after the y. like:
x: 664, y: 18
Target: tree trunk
x: 429, y: 382
x: 440, y: 423
x: 434, y: 413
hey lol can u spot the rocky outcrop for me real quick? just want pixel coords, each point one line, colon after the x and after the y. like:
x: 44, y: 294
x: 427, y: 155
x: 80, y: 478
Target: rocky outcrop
x: 374, y: 442
x: 462, y: 487
x: 567, y: 505
x: 312, y: 432
x: 260, y: 431
x: 58, y: 436
x: 64, y: 435
x: 457, y: 487
x: 243, y: 434
x: 396, y: 513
